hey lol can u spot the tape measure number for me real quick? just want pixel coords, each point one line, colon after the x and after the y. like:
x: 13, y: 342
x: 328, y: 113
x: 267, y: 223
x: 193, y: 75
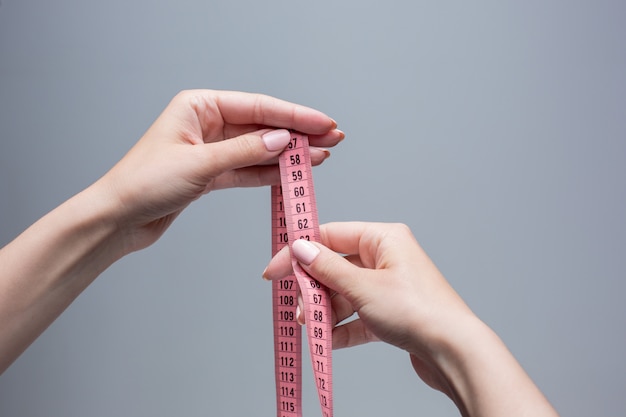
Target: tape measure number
x: 294, y: 216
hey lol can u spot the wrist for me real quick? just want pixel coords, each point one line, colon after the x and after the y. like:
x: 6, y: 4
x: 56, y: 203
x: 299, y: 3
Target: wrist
x: 50, y: 264
x: 481, y: 375
x: 70, y: 247
x: 102, y: 214
x: 460, y: 357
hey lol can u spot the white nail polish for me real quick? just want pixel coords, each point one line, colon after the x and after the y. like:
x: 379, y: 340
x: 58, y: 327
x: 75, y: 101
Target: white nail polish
x: 276, y: 139
x: 305, y: 251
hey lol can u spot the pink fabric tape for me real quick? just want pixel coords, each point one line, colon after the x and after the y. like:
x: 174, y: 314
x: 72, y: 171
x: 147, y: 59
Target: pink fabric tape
x: 294, y: 216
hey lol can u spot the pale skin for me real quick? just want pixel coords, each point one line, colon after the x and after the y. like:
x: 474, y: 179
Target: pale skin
x: 204, y: 140
x: 450, y: 348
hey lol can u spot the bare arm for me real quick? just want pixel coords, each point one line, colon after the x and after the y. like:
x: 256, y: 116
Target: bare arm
x: 50, y: 264
x: 203, y: 141
x: 403, y: 299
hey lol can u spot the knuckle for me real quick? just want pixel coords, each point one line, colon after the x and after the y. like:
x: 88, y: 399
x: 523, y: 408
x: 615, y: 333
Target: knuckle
x: 401, y: 229
x: 248, y: 145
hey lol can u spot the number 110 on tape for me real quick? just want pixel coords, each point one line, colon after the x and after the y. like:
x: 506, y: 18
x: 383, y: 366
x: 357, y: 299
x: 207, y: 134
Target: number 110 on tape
x: 294, y: 216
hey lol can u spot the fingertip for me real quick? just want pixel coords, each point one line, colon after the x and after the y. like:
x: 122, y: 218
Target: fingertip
x: 279, y: 266
x: 271, y: 272
x: 276, y: 140
x: 327, y: 139
x: 318, y: 155
x: 305, y: 251
x: 265, y: 276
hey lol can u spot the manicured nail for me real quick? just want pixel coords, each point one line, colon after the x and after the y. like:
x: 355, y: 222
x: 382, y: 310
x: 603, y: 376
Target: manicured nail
x: 319, y: 153
x: 276, y: 139
x: 305, y: 251
x: 264, y: 276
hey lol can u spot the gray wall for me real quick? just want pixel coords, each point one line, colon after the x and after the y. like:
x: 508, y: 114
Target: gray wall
x: 496, y: 130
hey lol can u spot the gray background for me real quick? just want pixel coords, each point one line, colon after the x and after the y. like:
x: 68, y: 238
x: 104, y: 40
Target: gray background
x: 496, y: 130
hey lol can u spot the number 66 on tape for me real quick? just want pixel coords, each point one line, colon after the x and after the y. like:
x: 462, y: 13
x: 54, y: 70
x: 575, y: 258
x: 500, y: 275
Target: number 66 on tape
x: 294, y: 216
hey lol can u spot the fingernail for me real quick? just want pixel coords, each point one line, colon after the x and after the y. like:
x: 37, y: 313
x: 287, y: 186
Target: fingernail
x: 305, y: 251
x: 264, y: 276
x: 320, y: 153
x: 276, y: 139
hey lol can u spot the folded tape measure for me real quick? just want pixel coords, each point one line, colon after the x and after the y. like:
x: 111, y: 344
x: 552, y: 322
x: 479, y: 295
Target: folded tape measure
x: 294, y: 216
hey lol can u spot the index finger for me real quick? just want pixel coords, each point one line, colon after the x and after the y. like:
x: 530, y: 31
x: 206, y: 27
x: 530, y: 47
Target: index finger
x: 259, y: 109
x: 378, y: 245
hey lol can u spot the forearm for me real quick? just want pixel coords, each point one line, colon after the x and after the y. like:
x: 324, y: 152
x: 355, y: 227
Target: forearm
x: 485, y: 379
x: 45, y: 268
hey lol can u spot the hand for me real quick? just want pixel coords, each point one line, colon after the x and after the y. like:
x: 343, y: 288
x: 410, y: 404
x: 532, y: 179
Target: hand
x: 383, y: 262
x: 401, y: 298
x: 205, y: 140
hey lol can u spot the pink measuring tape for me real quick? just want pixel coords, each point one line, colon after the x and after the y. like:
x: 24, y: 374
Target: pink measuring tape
x: 294, y: 216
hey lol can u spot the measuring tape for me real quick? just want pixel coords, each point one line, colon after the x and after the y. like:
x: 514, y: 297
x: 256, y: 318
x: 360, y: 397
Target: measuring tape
x: 294, y: 216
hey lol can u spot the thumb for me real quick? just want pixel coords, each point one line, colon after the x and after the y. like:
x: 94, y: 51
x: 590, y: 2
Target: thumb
x: 244, y: 150
x: 331, y: 269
